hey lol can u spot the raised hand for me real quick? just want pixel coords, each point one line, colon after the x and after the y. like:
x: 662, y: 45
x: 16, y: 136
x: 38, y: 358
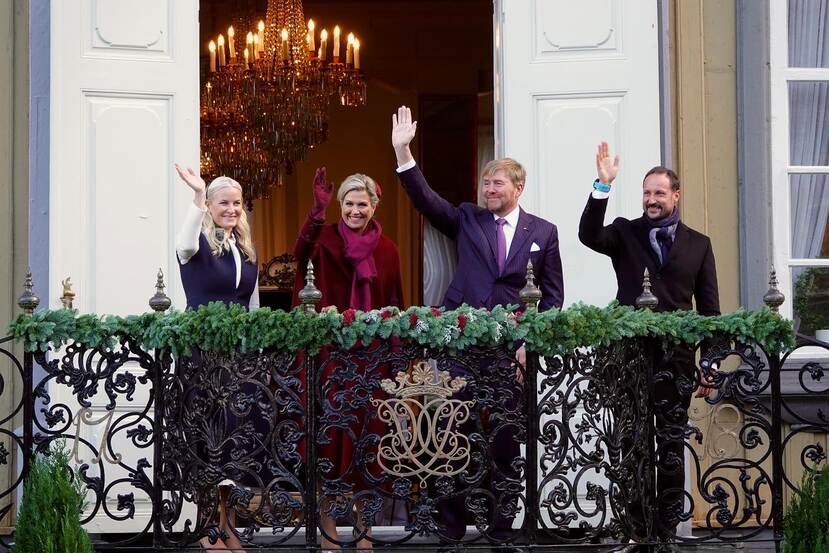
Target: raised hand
x: 606, y: 167
x: 195, y: 182
x: 403, y: 131
x: 323, y: 191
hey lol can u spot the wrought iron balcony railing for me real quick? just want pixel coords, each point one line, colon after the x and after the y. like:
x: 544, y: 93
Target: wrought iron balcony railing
x: 409, y: 443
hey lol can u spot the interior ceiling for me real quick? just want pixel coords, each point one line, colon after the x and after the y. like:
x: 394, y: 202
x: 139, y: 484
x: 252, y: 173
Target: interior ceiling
x: 463, y: 69
x: 223, y: 10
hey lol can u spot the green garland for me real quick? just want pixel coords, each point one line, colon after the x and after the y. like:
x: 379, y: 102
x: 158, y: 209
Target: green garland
x: 216, y: 327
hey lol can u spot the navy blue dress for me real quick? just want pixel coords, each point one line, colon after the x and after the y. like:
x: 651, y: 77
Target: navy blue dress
x: 234, y: 445
x: 207, y: 278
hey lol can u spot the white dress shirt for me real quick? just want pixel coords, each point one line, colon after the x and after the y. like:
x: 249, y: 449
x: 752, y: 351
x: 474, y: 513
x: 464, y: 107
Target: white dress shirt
x: 406, y: 166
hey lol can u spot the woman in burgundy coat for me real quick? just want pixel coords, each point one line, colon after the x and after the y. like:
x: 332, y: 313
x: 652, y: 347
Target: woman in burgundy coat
x: 356, y: 267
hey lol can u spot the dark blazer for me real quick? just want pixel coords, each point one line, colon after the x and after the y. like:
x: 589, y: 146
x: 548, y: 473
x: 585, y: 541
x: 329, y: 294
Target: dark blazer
x: 476, y: 281
x: 689, y: 271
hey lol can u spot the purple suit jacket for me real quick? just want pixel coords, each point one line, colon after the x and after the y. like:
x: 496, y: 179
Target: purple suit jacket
x: 477, y: 282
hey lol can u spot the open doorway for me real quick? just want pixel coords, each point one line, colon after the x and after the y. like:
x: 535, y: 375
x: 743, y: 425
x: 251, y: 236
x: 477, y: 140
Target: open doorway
x: 435, y: 56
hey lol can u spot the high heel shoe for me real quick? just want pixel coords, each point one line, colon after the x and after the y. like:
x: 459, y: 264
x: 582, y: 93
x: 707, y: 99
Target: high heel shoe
x: 205, y: 545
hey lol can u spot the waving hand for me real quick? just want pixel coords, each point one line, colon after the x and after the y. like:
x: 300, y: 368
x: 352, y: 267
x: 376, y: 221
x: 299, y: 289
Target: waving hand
x: 403, y: 131
x: 195, y: 182
x: 606, y: 166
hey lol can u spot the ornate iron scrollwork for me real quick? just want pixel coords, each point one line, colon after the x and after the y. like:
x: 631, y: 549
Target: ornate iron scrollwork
x: 279, y: 272
x: 424, y: 441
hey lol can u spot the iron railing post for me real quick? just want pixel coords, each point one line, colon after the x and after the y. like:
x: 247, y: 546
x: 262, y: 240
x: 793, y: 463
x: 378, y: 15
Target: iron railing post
x: 647, y: 300
x: 159, y: 303
x: 28, y: 410
x: 28, y: 302
x: 773, y: 300
x: 651, y: 514
x: 310, y: 297
x: 311, y: 496
x: 158, y: 442
x: 776, y: 449
x: 530, y: 296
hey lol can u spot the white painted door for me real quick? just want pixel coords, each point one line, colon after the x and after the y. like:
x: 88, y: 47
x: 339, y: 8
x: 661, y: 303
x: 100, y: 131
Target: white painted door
x: 568, y: 75
x: 124, y: 108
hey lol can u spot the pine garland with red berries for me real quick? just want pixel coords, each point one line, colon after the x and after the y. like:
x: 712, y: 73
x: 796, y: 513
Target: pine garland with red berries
x: 217, y: 327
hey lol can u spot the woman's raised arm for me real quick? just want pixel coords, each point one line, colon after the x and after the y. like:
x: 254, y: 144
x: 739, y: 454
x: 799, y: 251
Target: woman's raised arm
x: 187, y: 240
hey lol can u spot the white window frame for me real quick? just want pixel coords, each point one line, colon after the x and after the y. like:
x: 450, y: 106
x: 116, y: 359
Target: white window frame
x: 780, y: 77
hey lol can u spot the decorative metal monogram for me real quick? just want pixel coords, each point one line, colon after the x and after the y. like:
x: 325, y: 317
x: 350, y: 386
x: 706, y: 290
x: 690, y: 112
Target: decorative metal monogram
x: 423, y: 441
x: 85, y: 417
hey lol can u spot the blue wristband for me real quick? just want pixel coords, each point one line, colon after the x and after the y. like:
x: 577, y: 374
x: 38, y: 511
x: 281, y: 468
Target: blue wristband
x: 600, y: 186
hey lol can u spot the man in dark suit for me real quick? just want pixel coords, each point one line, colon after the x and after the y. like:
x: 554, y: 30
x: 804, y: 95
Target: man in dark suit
x: 493, y: 244
x: 680, y: 261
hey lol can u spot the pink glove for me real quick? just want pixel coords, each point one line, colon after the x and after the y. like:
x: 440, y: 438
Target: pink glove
x: 322, y: 194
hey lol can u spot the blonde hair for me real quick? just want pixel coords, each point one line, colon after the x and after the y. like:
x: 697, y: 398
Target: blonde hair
x: 514, y: 170
x: 244, y: 240
x: 359, y: 183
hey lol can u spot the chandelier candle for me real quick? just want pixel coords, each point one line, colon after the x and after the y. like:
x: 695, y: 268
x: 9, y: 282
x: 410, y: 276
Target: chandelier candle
x: 230, y: 43
x: 323, y: 45
x: 263, y: 109
x: 356, y: 54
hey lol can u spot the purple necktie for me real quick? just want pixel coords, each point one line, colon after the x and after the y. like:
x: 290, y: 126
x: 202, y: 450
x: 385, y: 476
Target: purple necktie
x: 502, y: 244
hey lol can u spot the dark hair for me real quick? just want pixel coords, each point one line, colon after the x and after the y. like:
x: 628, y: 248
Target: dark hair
x: 660, y: 170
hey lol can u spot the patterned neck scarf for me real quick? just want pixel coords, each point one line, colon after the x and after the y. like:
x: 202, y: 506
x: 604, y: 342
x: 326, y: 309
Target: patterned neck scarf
x: 661, y: 234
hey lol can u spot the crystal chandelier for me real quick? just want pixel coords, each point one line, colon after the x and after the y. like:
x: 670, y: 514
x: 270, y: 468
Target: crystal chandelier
x: 265, y: 100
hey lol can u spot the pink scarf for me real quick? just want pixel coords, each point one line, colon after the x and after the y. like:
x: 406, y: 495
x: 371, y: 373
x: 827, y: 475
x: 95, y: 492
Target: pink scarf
x: 359, y: 251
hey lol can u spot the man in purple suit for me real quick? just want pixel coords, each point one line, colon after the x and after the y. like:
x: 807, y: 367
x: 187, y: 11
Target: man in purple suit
x: 493, y: 244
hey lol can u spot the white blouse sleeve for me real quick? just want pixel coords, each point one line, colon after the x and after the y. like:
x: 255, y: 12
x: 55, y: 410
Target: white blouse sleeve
x: 254, y: 297
x: 187, y: 241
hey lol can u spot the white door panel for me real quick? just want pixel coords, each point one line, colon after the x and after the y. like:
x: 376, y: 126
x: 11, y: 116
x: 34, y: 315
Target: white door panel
x: 124, y: 95
x: 568, y: 75
x: 124, y: 107
x: 572, y: 74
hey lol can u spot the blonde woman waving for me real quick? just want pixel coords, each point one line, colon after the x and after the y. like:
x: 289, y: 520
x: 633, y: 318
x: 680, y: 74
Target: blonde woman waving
x: 214, y: 246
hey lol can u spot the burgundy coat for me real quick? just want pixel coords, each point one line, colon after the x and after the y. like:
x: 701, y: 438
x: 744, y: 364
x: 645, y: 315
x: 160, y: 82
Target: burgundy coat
x: 324, y: 246
x: 333, y: 275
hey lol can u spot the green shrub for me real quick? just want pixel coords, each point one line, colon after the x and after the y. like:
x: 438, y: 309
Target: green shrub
x: 49, y: 518
x: 807, y: 518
